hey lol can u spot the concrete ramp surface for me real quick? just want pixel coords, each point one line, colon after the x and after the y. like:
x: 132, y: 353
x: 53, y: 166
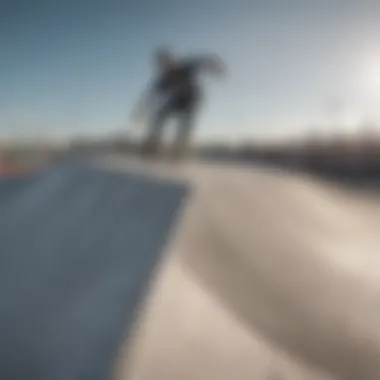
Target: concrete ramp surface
x: 265, y: 276
x: 270, y: 276
x: 77, y: 250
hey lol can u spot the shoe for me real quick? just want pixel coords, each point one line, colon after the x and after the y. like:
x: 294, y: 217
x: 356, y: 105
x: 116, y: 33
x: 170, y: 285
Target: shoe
x: 149, y: 148
x: 180, y: 153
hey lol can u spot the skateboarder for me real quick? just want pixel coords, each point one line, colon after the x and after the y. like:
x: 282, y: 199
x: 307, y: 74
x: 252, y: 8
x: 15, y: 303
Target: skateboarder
x: 174, y: 92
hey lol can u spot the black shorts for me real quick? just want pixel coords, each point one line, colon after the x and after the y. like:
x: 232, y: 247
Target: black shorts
x: 183, y: 103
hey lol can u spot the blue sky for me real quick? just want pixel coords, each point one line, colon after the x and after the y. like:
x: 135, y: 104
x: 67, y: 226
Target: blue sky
x: 77, y: 67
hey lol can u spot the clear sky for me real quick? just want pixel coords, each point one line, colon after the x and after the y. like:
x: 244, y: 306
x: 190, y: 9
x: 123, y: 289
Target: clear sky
x: 77, y: 66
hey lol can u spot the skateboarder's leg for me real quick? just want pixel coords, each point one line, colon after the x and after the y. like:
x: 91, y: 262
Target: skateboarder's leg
x: 184, y: 132
x: 153, y: 139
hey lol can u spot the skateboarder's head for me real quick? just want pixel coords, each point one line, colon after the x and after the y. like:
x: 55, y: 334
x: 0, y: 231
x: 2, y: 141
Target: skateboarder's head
x: 164, y: 58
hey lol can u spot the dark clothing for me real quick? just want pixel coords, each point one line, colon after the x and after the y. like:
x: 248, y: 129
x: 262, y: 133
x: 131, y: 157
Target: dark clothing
x: 185, y: 119
x: 179, y: 96
x: 178, y: 85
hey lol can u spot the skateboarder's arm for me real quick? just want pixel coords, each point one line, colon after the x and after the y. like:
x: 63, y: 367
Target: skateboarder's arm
x: 210, y: 63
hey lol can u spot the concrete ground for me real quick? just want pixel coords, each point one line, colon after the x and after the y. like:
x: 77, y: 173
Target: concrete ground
x: 268, y: 276
x: 74, y: 265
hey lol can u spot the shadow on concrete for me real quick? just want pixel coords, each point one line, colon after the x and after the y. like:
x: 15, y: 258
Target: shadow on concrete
x: 77, y: 250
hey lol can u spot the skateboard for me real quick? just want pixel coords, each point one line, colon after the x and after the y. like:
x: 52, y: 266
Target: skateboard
x: 152, y: 150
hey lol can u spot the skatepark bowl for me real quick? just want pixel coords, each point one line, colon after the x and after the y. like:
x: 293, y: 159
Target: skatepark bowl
x: 120, y: 269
